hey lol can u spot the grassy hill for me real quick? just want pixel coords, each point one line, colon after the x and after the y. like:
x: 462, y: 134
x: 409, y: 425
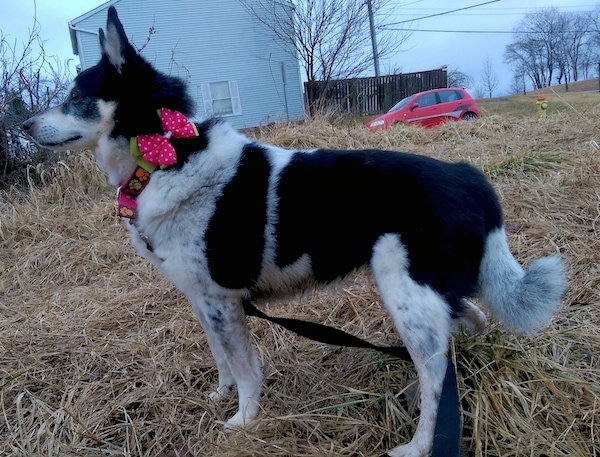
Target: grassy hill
x: 582, y: 97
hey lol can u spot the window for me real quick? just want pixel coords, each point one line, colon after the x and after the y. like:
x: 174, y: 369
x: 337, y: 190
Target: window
x: 449, y: 96
x: 221, y: 98
x: 426, y: 100
x: 400, y: 104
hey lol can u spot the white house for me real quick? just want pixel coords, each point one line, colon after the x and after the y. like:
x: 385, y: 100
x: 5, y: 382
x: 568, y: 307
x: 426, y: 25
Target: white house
x: 234, y: 66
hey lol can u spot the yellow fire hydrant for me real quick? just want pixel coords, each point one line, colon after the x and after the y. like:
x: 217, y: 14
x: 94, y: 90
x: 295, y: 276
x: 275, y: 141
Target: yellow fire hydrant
x: 542, y: 104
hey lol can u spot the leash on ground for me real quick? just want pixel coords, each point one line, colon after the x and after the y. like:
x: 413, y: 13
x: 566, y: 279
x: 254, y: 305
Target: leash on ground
x: 448, y: 426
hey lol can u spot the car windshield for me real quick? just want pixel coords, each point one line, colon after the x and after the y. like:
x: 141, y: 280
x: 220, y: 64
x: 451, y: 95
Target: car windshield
x: 400, y: 104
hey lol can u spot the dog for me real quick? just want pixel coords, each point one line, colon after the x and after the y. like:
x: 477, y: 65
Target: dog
x: 231, y: 219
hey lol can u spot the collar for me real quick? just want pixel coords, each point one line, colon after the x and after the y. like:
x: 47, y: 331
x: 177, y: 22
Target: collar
x: 152, y: 152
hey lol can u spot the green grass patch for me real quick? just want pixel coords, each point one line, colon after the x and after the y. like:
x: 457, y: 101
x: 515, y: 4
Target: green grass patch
x: 528, y: 163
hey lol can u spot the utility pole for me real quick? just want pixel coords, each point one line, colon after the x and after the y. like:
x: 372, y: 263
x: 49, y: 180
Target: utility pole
x: 373, y: 38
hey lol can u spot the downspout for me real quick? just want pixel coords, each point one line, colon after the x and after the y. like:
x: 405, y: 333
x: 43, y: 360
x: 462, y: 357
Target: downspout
x: 73, y: 30
x: 285, y: 100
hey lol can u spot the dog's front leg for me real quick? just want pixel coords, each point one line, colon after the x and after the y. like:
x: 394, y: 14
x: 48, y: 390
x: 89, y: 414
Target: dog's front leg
x: 226, y: 383
x: 223, y: 319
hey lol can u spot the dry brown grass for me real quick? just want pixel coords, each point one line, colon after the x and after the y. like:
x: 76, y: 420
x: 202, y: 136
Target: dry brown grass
x: 100, y: 356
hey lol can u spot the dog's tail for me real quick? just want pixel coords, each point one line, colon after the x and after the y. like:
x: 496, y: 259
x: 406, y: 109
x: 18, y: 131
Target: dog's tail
x: 523, y: 300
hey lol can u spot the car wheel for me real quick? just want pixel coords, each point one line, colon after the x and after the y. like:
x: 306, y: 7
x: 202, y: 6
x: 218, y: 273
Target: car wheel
x: 469, y: 116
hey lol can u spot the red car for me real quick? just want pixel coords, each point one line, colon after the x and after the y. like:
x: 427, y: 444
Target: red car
x: 429, y: 108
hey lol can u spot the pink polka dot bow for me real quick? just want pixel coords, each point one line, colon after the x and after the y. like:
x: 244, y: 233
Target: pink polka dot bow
x: 157, y: 149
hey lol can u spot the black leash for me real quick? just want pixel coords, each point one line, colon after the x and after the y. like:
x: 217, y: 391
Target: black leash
x: 325, y: 334
x: 448, y: 427
x: 447, y: 436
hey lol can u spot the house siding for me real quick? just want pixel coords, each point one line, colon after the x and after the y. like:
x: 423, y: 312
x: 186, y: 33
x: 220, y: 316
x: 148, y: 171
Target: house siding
x: 205, y: 42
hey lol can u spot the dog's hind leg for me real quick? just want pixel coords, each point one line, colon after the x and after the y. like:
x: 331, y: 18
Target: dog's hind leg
x: 223, y: 319
x: 422, y: 317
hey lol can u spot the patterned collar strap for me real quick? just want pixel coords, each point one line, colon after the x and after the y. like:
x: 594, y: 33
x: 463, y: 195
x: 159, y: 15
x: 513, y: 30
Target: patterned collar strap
x: 128, y: 192
x: 152, y: 151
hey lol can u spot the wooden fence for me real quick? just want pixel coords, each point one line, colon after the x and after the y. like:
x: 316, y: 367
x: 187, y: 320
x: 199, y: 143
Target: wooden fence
x: 367, y: 96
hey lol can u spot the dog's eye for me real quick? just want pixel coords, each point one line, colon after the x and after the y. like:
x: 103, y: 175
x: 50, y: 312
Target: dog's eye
x: 75, y: 98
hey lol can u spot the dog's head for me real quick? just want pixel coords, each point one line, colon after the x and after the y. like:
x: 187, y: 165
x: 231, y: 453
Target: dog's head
x: 118, y: 96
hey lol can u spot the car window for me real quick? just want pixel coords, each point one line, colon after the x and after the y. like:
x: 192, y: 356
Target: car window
x: 400, y: 104
x: 449, y: 95
x: 426, y: 100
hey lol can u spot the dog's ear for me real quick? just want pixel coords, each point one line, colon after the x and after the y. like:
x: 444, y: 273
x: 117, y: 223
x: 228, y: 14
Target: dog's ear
x: 115, y: 45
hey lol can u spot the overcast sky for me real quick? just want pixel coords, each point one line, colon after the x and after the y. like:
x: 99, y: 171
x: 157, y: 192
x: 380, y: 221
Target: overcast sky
x: 425, y: 49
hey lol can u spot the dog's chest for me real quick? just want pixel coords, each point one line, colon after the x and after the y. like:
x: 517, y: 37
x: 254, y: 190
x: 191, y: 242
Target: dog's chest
x: 206, y: 220
x: 173, y: 214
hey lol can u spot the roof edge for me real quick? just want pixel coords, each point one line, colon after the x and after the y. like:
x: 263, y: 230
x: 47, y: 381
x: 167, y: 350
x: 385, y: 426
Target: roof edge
x: 73, y: 23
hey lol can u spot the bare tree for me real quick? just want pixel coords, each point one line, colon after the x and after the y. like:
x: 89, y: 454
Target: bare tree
x: 529, y: 56
x: 518, y: 83
x: 553, y: 45
x: 457, y: 78
x: 479, y: 91
x: 489, y: 78
x: 330, y: 37
x: 576, y: 37
x: 535, y: 36
x: 593, y: 43
x: 29, y: 81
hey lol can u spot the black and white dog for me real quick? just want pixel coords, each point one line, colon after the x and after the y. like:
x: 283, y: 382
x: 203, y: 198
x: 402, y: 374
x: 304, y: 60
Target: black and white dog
x: 232, y: 219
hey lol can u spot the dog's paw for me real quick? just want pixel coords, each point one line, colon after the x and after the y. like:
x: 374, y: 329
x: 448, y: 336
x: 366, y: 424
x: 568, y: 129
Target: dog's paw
x: 473, y: 319
x: 407, y: 450
x: 236, y: 422
x: 221, y: 393
x: 243, y: 418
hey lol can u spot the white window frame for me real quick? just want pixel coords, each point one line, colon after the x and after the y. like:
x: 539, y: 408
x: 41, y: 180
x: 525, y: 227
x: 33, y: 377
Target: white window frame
x: 234, y: 96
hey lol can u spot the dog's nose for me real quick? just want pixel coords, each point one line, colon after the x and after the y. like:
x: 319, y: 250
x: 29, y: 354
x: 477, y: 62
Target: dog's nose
x: 28, y: 124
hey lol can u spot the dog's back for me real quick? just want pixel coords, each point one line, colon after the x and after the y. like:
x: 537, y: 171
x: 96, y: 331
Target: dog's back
x: 441, y: 211
x: 332, y: 206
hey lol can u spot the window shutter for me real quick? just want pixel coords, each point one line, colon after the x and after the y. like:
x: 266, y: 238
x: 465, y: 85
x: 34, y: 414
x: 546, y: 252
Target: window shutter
x: 236, y: 104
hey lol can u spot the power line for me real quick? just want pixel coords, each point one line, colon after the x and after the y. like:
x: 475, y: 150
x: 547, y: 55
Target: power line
x: 476, y: 31
x: 441, y: 14
x: 445, y: 31
x: 515, y: 8
x: 471, y: 14
x: 495, y: 12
